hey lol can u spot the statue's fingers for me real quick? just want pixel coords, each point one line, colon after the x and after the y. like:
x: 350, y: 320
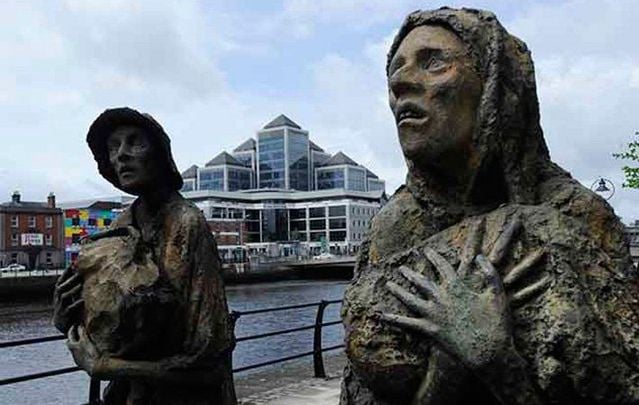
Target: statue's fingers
x: 505, y: 238
x: 405, y: 322
x: 415, y: 304
x: 471, y: 248
x: 68, y: 272
x: 526, y: 294
x: 421, y: 282
x: 75, y: 279
x: 75, y: 290
x: 490, y: 273
x: 446, y: 271
x: 72, y: 335
x: 76, y: 305
x: 523, y: 268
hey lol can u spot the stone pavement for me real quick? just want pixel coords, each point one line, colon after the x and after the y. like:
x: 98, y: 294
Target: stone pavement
x: 315, y: 391
x: 292, y: 383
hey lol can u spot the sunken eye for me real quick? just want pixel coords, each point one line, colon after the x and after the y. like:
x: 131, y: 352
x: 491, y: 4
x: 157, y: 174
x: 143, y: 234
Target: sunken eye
x: 434, y: 64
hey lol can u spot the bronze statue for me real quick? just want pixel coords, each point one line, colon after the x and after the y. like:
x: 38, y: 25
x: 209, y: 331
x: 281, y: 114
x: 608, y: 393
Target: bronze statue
x: 491, y: 276
x: 144, y: 306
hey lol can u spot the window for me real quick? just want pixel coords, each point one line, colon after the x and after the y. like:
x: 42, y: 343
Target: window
x: 49, y: 240
x: 317, y: 212
x: 107, y: 221
x: 337, y: 223
x: 297, y: 213
x: 338, y: 236
x: 92, y: 222
x: 218, y: 212
x: 317, y: 224
x: 32, y: 222
x: 14, y: 221
x: 49, y: 259
x: 338, y: 211
x: 75, y: 221
x: 14, y: 239
x: 14, y: 258
x: 48, y: 222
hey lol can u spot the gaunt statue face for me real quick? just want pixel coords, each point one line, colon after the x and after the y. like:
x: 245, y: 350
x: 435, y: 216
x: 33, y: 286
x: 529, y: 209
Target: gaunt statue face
x: 434, y: 94
x: 132, y: 156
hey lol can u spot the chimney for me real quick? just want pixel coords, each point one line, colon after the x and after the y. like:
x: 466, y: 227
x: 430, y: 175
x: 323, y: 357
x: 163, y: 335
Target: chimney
x: 15, y: 197
x: 51, y: 200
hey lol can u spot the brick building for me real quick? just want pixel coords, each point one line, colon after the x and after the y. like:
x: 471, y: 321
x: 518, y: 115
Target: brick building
x: 31, y: 233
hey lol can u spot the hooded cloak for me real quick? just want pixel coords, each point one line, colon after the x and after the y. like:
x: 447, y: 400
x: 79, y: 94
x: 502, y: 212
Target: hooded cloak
x: 580, y: 338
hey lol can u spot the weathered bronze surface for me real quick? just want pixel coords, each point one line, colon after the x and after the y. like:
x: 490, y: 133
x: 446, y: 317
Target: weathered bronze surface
x: 492, y: 276
x: 144, y: 304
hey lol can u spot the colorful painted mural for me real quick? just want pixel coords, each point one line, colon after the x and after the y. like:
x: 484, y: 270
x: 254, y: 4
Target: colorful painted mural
x: 82, y: 222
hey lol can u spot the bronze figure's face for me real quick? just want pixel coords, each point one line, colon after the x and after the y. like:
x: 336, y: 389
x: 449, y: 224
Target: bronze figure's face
x: 434, y: 94
x: 132, y: 156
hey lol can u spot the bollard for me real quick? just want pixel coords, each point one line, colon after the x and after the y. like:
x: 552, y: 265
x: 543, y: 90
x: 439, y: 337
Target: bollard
x: 318, y: 360
x: 94, y: 392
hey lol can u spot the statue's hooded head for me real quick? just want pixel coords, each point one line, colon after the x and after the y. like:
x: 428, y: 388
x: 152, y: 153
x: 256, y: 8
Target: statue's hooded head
x: 463, y: 93
x: 133, y: 152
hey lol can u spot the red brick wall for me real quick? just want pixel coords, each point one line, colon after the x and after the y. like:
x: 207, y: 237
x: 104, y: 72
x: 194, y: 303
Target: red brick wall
x: 23, y: 227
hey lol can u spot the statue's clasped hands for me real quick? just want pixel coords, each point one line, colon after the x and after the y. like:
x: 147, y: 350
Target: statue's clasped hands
x: 468, y: 313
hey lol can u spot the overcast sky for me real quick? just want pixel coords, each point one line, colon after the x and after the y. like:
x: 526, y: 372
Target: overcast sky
x: 214, y: 72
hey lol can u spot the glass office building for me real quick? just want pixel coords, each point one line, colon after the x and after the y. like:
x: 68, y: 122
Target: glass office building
x: 271, y: 158
x: 280, y: 187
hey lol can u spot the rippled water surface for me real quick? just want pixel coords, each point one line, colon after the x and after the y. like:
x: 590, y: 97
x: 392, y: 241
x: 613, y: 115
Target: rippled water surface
x: 27, y: 320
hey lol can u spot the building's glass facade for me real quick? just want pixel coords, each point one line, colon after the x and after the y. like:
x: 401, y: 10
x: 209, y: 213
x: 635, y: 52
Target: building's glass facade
x: 374, y: 185
x: 298, y: 161
x: 238, y: 179
x: 212, y: 179
x: 188, y: 185
x: 330, y: 178
x: 271, y: 159
x: 246, y: 158
x: 274, y: 225
x: 356, y: 179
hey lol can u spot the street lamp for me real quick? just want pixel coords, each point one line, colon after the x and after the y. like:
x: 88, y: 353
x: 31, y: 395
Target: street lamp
x: 604, y: 187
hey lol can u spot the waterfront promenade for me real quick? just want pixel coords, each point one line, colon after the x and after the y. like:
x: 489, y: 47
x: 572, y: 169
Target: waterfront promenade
x: 293, y: 384
x: 289, y: 381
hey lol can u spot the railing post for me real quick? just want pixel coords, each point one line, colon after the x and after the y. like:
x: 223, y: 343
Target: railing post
x: 318, y: 360
x: 94, y: 392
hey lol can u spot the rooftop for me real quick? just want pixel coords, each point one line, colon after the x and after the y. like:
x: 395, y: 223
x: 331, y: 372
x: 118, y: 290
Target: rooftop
x: 340, y: 159
x: 247, y: 145
x: 190, y: 173
x: 282, y: 121
x: 224, y: 159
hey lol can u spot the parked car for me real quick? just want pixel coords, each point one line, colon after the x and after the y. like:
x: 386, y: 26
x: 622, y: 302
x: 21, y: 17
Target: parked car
x: 12, y: 268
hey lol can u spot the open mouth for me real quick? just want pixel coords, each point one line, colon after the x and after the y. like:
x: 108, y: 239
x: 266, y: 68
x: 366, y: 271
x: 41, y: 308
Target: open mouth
x: 409, y: 112
x: 126, y: 171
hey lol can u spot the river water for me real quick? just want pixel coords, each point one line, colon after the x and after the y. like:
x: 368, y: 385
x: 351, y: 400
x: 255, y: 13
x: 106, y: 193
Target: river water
x: 29, y: 320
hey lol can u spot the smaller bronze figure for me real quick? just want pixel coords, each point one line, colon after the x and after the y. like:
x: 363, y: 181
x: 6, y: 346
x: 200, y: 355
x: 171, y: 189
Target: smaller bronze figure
x: 144, y: 306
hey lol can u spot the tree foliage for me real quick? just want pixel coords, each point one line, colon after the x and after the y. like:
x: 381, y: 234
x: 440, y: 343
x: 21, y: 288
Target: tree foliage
x: 631, y: 173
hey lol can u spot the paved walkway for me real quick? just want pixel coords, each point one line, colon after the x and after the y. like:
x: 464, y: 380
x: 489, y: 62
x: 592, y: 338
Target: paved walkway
x: 292, y: 384
x: 316, y: 391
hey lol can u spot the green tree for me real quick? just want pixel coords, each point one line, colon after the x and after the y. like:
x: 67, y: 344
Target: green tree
x: 631, y: 173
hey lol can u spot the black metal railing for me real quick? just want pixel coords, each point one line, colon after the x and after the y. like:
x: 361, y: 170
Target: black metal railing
x: 317, y: 350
